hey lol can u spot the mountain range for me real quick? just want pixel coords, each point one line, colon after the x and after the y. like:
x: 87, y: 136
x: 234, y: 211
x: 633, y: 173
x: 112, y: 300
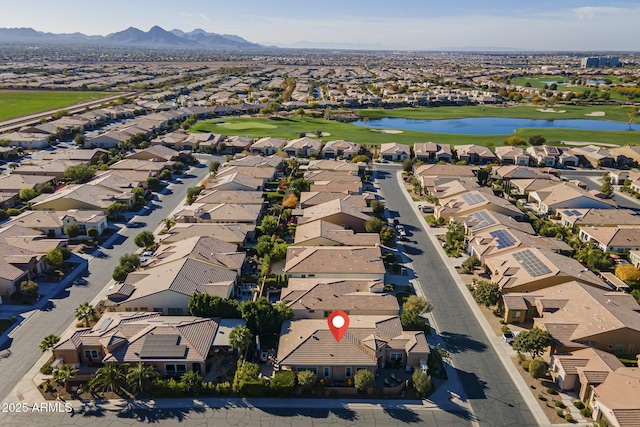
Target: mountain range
x: 156, y: 37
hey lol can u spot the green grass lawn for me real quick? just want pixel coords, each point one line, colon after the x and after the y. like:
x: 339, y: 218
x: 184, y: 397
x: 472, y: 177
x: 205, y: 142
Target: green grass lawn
x: 539, y: 81
x: 292, y: 127
x: 17, y: 103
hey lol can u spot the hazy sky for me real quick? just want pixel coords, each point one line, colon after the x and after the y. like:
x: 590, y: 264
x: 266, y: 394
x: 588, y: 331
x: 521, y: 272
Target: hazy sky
x: 399, y: 24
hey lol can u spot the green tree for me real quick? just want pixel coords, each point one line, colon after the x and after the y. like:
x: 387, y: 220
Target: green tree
x: 515, y: 141
x: 283, y: 383
x: 261, y: 317
x: 283, y: 311
x: 214, y: 165
x: 111, y: 377
x: 307, y: 379
x: 412, y: 309
x: 27, y: 194
x: 92, y: 232
x: 471, y: 263
x: 407, y: 165
x: 360, y: 158
x: 116, y: 208
x: 73, y: 230
x: 84, y: 313
x: 269, y: 225
x: 79, y: 174
x: 145, y: 239
x: 64, y: 374
x: 421, y: 382
x: 178, y: 167
x: 537, y: 140
x: 299, y: 185
x: 55, y: 258
x: 387, y: 235
x: 533, y: 341
x: 378, y: 208
x: 48, y: 342
x: 245, y: 372
x: 482, y: 176
x: 191, y: 382
x: 165, y: 175
x: 363, y: 379
x: 140, y: 377
x: 192, y: 194
x: 29, y: 288
x: 264, y: 245
x: 487, y: 293
x: 606, y: 187
x: 168, y: 223
x: 373, y: 225
x: 79, y: 140
x: 130, y: 261
x: 153, y: 183
x: 120, y: 273
x: 240, y: 338
x: 205, y: 305
x: 537, y: 368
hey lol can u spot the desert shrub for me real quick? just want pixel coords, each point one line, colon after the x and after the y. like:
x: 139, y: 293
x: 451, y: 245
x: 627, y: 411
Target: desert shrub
x: 560, y: 413
x: 552, y: 391
x: 541, y: 397
x: 569, y: 418
x: 223, y: 388
x: 537, y: 368
x: 46, y: 369
x: 578, y: 404
x: 560, y: 404
x: 585, y: 412
x: 525, y: 365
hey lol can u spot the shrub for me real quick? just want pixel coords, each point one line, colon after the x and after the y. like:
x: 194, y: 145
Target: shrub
x: 569, y: 418
x: 223, y: 388
x: 560, y: 404
x: 283, y: 383
x: 253, y: 388
x: 46, y: 369
x: 537, y: 368
x: 585, y: 412
x: 505, y: 328
x: 13, y: 211
x: 541, y: 397
x: 560, y: 413
x: 578, y: 404
x: 525, y: 364
x: 552, y: 391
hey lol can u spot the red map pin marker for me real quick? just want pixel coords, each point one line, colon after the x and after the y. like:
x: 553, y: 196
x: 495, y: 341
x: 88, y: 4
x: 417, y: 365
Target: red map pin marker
x: 338, y: 323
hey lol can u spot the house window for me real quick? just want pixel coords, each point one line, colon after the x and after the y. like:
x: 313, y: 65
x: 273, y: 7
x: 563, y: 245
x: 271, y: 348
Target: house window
x: 158, y: 310
x: 396, y: 356
x: 347, y: 372
x: 91, y: 354
x: 618, y: 349
x: 326, y: 372
x: 174, y: 369
x: 516, y: 314
x: 174, y: 311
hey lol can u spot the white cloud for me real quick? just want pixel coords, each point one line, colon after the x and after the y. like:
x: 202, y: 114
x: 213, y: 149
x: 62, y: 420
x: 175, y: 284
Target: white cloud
x: 591, y: 12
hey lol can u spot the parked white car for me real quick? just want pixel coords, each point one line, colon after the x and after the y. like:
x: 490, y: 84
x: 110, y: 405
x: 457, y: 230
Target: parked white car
x: 510, y: 336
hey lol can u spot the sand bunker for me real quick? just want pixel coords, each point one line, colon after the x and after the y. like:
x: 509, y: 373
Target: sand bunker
x: 550, y: 110
x: 579, y: 143
x: 596, y: 114
x: 390, y: 131
x: 314, y: 134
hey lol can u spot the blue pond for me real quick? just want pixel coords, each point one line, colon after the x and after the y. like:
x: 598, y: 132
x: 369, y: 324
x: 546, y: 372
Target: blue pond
x: 489, y: 125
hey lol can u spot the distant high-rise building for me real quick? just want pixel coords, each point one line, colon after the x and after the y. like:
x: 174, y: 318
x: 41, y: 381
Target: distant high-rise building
x: 600, y: 61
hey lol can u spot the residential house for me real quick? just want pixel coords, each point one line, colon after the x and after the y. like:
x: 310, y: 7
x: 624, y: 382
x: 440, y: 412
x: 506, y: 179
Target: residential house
x: 172, y: 140
x: 615, y: 401
x: 236, y: 233
x: 338, y: 212
x: 612, y: 239
x: 512, y: 156
x: 530, y: 269
x: 303, y: 147
x: 219, y: 213
x: 371, y: 342
x: 485, y: 220
x: 82, y: 196
x: 334, y: 262
x: 581, y: 370
x: 336, y: 165
x: 394, y: 152
x: 198, y: 141
x: 167, y: 287
x: 627, y: 154
x: 267, y: 146
x: 475, y: 154
x: 203, y: 248
x: 173, y: 345
x: 432, y: 175
x: 517, y: 172
x: 87, y: 157
x: 545, y: 155
x: 611, y: 323
x: 263, y: 174
x: 16, y: 182
x: 47, y: 168
x: 431, y: 152
x: 109, y: 139
x: 224, y: 196
x: 340, y: 149
x: 54, y: 223
x: 598, y: 217
x: 152, y: 167
x: 272, y: 161
x: 313, y: 198
x: 33, y: 141
x: 236, y: 182
x: 323, y: 233
x: 473, y: 201
x: 594, y: 156
x: 236, y: 144
x: 317, y: 298
x: 155, y: 153
x: 566, y: 195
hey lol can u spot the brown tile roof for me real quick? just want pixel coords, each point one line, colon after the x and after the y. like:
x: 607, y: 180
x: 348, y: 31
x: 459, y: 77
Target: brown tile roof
x: 203, y: 248
x: 232, y: 233
x: 335, y: 233
x: 334, y: 259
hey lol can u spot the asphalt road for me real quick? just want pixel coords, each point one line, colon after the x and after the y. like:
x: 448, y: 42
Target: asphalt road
x: 57, y: 315
x: 491, y: 392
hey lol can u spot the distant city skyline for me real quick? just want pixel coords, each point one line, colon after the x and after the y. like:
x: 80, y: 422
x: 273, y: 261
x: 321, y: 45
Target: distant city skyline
x: 568, y: 25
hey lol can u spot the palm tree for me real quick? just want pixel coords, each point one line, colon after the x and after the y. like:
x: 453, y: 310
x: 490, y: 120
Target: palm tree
x: 85, y: 312
x: 49, y: 341
x: 240, y: 338
x: 64, y: 374
x: 140, y: 377
x: 168, y: 223
x: 111, y: 377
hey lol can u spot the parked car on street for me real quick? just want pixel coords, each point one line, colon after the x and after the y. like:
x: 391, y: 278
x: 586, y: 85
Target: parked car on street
x: 510, y: 336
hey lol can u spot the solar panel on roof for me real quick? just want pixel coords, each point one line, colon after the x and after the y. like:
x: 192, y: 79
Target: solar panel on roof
x: 483, y: 218
x: 162, y: 346
x: 531, y: 263
x: 568, y: 213
x: 503, y: 238
x: 575, y: 212
x: 472, y: 199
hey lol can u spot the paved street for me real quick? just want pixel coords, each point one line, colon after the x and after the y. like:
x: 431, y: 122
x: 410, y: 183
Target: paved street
x: 57, y: 315
x: 491, y: 392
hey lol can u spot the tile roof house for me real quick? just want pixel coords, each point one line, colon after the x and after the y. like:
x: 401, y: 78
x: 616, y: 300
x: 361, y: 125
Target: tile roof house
x: 172, y: 344
x: 627, y: 154
x: 203, y: 248
x: 616, y: 400
x: 511, y: 172
x: 16, y: 182
x: 431, y: 152
x: 475, y: 154
x: 303, y: 147
x: 595, y: 156
x: 167, y: 287
x: 565, y: 195
x: 236, y: 182
x: 54, y: 223
x: 369, y: 343
x: 394, y: 152
x: 503, y: 239
x: 267, y: 146
x: 340, y: 148
x: 82, y: 196
x: 313, y: 198
x: 336, y: 165
x: 26, y: 140
x: 512, y: 156
x: 155, y: 153
x: 612, y: 239
x: 219, y: 213
x: 225, y: 196
x: 334, y: 262
x: 317, y: 298
x: 530, y: 269
x: 232, y: 233
x: 486, y: 220
x: 473, y: 201
x: 581, y: 370
x: 237, y: 144
x: 264, y: 174
x: 322, y: 233
x: 579, y: 315
x: 338, y: 212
